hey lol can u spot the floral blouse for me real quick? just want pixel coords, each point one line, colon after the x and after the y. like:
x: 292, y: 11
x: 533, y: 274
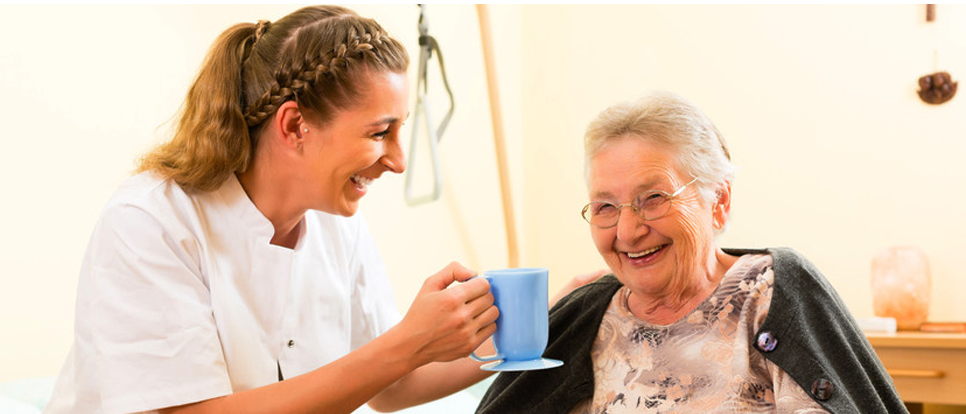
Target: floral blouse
x: 703, y: 363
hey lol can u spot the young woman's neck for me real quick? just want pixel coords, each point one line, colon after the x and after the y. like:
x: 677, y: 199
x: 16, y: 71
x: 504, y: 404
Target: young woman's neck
x: 265, y: 185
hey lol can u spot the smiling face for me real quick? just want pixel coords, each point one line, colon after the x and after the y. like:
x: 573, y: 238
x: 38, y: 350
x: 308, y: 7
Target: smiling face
x: 662, y: 257
x: 356, y: 146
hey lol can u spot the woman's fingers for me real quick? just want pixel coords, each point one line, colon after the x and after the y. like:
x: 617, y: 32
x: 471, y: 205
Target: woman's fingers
x: 489, y: 329
x: 453, y: 272
x: 451, y: 320
x: 471, y: 290
x: 482, y: 308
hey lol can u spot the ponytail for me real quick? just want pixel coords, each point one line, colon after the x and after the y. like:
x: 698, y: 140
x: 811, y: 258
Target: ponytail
x: 211, y: 140
x: 314, y: 56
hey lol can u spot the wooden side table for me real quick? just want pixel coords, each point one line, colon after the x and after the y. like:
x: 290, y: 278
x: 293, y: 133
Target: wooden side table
x: 925, y: 367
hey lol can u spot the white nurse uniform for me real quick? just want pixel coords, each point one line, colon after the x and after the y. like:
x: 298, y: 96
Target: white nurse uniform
x: 181, y: 298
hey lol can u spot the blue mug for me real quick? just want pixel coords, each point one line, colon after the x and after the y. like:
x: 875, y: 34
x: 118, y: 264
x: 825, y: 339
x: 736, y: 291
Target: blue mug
x: 522, y: 327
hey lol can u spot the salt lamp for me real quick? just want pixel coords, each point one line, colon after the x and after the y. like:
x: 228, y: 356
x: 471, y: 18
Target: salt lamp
x: 901, y: 286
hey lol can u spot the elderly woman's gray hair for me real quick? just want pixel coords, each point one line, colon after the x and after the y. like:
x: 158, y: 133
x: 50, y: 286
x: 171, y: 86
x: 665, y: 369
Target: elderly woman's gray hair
x: 667, y: 119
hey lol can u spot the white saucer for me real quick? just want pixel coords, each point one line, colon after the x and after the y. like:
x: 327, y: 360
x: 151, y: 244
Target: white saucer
x: 528, y: 365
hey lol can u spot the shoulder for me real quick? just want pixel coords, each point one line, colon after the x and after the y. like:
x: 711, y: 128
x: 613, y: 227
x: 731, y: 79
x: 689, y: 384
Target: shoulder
x: 797, y: 283
x: 605, y: 286
x: 586, y: 303
x: 792, y: 269
x: 145, y: 200
x: 146, y: 189
x: 814, y: 339
x: 748, y: 287
x: 789, y: 285
x: 796, y: 276
x: 147, y: 217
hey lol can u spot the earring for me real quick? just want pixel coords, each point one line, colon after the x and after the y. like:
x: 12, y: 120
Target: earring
x: 305, y: 130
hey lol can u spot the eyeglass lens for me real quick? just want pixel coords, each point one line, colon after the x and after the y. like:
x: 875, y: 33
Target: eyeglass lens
x: 649, y: 205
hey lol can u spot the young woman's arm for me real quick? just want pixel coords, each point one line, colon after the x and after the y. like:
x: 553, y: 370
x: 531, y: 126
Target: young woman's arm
x: 443, y: 324
x: 432, y: 381
x: 437, y: 380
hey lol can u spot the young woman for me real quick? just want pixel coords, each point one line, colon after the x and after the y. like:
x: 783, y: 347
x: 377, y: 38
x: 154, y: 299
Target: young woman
x: 231, y: 274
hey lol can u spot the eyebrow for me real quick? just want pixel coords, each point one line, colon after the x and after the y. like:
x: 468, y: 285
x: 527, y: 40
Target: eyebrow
x: 601, y: 195
x: 640, y: 188
x: 388, y: 120
x: 384, y: 121
x: 647, y: 185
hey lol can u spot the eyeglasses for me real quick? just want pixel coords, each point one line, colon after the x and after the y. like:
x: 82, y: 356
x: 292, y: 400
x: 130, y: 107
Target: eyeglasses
x: 649, y: 205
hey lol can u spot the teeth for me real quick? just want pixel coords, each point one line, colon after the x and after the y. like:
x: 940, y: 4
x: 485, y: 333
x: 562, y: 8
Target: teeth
x: 361, y: 182
x: 644, y: 253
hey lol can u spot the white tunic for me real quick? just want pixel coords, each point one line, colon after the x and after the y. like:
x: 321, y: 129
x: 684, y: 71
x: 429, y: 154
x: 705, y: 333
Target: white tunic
x: 182, y: 298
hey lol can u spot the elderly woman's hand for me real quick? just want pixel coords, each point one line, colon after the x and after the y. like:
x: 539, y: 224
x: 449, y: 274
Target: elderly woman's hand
x: 576, y: 282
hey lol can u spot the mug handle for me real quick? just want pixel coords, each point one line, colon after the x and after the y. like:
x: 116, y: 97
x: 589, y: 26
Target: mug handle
x: 495, y: 357
x: 478, y: 358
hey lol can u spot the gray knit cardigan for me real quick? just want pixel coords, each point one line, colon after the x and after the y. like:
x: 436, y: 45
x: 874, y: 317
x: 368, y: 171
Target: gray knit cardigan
x: 816, y: 341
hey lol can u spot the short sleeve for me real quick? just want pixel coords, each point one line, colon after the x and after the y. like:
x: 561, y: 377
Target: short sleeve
x: 373, y: 305
x: 151, y: 340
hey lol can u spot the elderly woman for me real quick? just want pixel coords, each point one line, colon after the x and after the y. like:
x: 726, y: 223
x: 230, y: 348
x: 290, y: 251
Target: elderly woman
x: 684, y: 325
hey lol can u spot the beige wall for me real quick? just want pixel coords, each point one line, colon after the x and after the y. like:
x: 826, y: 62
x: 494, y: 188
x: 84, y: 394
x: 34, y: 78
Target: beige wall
x: 86, y: 89
x: 837, y: 156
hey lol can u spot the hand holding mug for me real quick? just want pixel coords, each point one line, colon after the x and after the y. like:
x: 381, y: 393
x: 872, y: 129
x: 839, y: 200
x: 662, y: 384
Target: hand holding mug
x: 448, y: 322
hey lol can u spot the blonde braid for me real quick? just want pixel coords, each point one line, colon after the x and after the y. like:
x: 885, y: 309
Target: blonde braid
x: 260, y: 28
x: 290, y: 81
x: 314, y: 55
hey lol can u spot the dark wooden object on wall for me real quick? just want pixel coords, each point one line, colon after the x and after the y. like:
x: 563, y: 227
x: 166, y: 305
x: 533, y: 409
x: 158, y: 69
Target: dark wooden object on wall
x: 936, y: 88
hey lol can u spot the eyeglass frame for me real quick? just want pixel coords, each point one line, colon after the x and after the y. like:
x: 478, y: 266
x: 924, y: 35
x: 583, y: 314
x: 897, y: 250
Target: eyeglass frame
x: 669, y: 197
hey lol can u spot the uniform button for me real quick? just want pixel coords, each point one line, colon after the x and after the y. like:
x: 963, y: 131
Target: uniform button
x: 291, y: 343
x: 766, y: 341
x: 822, y: 389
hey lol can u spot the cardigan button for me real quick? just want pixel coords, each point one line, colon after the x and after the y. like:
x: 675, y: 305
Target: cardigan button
x: 822, y: 389
x: 291, y: 343
x: 766, y: 341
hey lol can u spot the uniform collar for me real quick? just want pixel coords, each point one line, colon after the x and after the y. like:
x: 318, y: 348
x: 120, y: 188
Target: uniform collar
x: 236, y: 200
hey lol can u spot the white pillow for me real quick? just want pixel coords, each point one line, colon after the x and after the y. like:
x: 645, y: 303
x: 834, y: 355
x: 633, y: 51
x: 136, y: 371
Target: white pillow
x: 32, y: 391
x: 12, y: 406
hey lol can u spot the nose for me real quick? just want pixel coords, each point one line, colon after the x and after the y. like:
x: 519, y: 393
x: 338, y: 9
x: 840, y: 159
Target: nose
x: 394, y: 159
x: 630, y: 226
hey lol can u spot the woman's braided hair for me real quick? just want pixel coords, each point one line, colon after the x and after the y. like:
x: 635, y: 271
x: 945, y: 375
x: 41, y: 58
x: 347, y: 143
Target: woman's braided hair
x: 315, y: 56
